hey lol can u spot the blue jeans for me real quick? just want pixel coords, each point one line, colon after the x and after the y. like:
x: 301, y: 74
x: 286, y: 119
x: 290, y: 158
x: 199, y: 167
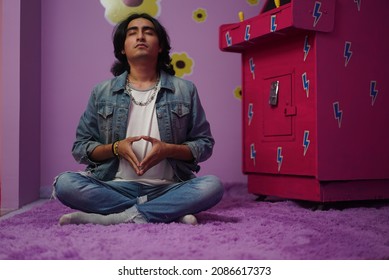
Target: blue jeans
x: 164, y: 203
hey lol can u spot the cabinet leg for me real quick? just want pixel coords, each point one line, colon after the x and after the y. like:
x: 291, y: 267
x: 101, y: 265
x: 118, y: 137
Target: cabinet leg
x: 261, y: 197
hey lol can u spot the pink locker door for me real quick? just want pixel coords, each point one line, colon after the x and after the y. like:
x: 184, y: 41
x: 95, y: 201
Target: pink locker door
x: 269, y: 123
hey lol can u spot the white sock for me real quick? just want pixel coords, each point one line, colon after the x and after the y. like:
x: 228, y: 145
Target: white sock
x: 130, y: 215
x: 188, y: 219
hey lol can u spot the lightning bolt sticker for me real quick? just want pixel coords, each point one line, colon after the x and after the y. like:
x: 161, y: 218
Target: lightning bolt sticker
x: 347, y: 53
x: 280, y: 158
x: 338, y: 114
x: 305, y: 83
x: 306, y: 141
x: 247, y: 33
x: 253, y: 152
x: 373, y: 92
x: 307, y: 47
x: 273, y: 24
x: 316, y: 13
x: 358, y: 2
x: 250, y: 112
x: 252, y: 67
x: 228, y: 39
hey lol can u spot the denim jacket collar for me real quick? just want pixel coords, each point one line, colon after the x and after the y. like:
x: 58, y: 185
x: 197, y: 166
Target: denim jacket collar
x: 119, y: 83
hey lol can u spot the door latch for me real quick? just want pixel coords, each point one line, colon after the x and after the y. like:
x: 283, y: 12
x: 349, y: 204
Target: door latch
x: 273, y: 97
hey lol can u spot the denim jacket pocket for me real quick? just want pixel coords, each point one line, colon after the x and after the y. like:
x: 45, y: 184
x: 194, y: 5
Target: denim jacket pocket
x: 180, y: 115
x: 105, y: 112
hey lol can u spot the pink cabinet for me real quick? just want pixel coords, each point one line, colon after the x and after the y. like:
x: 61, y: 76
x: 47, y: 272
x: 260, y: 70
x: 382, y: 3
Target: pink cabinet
x: 315, y: 102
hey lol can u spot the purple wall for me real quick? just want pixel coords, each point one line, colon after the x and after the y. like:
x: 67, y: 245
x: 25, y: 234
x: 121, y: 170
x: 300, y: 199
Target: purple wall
x: 20, y: 156
x: 77, y: 54
x: 30, y: 105
x: 1, y: 95
x: 10, y: 105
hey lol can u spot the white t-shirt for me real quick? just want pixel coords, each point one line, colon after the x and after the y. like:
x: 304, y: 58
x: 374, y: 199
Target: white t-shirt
x: 143, y: 121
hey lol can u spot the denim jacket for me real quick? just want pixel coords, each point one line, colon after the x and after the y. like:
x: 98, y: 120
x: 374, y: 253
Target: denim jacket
x: 181, y: 120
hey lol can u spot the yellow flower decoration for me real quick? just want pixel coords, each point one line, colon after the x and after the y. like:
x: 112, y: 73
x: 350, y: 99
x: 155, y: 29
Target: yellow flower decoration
x: 238, y: 92
x: 182, y: 64
x: 200, y: 15
x: 253, y: 2
x: 118, y: 10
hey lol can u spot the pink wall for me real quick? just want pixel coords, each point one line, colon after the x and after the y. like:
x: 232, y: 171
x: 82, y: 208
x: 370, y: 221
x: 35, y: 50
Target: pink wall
x: 77, y: 54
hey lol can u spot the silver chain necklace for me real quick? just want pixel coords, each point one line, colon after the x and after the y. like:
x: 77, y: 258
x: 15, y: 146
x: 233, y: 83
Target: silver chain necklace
x: 141, y: 103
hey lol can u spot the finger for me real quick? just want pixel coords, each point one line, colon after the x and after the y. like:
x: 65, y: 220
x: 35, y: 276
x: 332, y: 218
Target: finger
x: 135, y: 167
x: 128, y: 154
x: 148, y: 162
x: 134, y: 139
x: 148, y: 138
x: 125, y: 151
x: 133, y: 161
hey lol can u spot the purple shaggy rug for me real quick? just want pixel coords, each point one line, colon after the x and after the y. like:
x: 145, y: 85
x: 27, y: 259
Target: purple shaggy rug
x: 238, y: 228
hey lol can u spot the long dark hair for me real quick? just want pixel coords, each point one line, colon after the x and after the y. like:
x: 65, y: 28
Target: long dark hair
x: 119, y: 36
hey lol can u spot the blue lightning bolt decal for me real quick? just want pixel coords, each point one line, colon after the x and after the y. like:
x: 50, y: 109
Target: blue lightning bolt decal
x: 338, y: 113
x: 305, y: 83
x: 273, y: 24
x: 247, y: 33
x: 250, y: 112
x: 252, y: 67
x: 358, y: 2
x: 373, y: 92
x: 306, y: 141
x: 316, y: 13
x: 253, y: 153
x: 347, y: 53
x: 228, y: 39
x: 280, y: 157
x: 307, y: 47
